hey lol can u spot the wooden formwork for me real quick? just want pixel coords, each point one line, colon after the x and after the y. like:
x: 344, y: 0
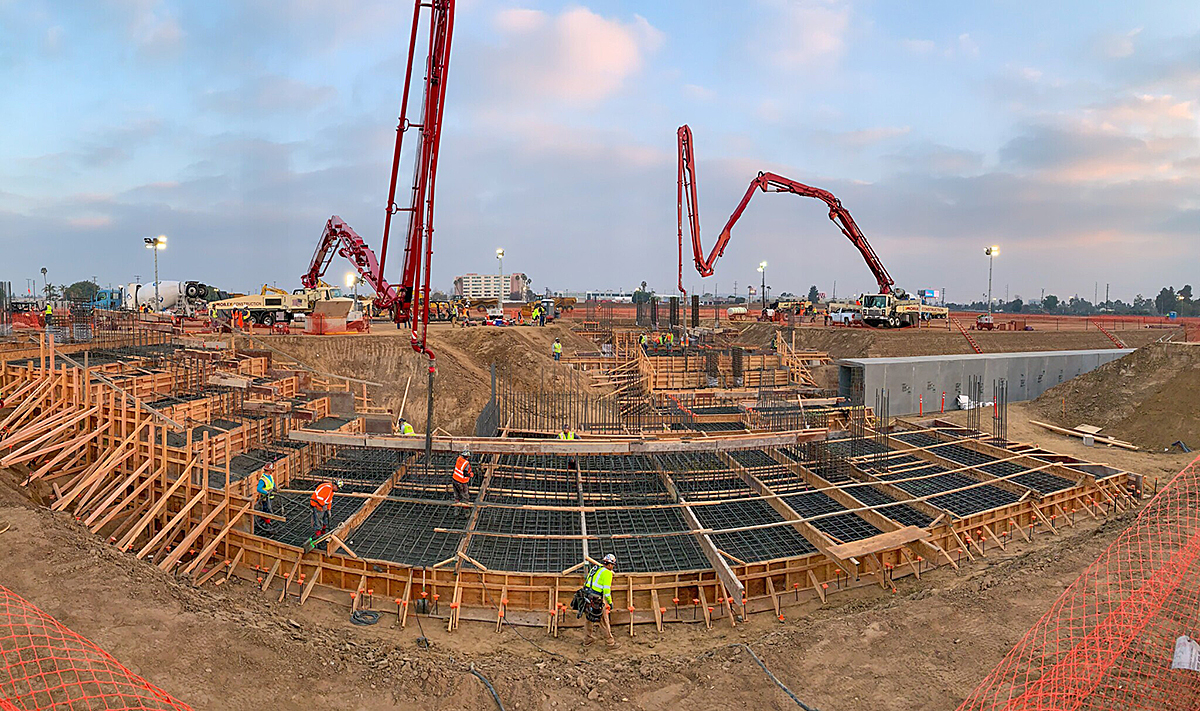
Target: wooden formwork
x: 107, y: 458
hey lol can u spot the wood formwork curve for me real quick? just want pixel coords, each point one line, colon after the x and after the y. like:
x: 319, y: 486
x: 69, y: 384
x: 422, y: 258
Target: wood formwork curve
x: 160, y: 454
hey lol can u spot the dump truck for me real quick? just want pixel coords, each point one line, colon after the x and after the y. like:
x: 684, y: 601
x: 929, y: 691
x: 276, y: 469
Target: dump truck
x: 549, y: 307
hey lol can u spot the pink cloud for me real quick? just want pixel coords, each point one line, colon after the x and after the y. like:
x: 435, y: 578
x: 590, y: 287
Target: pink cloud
x: 577, y: 57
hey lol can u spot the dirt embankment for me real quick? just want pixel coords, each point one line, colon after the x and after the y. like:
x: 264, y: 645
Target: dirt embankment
x: 876, y: 343
x: 464, y: 359
x: 1148, y: 397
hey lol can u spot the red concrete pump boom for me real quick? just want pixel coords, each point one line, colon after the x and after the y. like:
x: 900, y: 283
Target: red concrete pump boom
x: 418, y: 247
x: 766, y: 182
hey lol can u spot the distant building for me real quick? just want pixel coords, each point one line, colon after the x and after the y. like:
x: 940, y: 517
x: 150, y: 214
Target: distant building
x: 619, y: 296
x: 483, y: 286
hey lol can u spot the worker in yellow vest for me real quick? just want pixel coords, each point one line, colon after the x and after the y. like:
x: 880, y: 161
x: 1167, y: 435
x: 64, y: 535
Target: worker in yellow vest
x: 598, y: 588
x: 569, y: 434
x: 404, y: 427
x: 556, y: 350
x: 266, y: 497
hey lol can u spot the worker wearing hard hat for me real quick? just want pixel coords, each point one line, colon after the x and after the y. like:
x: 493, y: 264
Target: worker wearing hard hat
x: 404, y: 427
x: 321, y: 505
x: 556, y: 350
x: 462, y: 478
x: 598, y: 588
x: 569, y: 434
x: 266, y: 495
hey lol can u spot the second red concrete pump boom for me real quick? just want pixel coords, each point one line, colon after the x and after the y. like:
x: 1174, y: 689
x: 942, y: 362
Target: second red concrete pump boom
x: 766, y: 182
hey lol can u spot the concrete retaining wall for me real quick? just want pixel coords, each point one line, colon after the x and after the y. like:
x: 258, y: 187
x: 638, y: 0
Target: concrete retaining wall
x: 929, y: 377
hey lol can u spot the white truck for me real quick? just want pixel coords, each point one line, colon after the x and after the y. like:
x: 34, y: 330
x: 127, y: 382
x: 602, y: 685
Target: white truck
x: 185, y: 296
x: 275, y: 305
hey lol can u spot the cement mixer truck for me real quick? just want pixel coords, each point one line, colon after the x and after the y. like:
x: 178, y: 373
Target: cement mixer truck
x: 184, y: 296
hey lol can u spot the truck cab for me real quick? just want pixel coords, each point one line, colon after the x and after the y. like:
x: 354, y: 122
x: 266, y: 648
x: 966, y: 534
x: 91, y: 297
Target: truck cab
x: 895, y: 312
x: 879, y: 310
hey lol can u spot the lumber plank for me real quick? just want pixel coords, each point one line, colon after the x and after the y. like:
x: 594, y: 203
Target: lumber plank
x: 1101, y: 439
x: 212, y: 545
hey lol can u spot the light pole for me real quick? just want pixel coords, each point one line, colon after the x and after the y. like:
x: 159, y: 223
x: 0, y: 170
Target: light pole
x: 991, y: 253
x: 500, y: 261
x: 762, y: 268
x: 156, y: 243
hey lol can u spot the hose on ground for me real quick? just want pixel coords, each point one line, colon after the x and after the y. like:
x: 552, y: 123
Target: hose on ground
x: 488, y: 684
x: 363, y: 618
x: 778, y: 683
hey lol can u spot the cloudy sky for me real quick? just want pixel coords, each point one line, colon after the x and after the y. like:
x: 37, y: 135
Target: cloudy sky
x: 1066, y: 132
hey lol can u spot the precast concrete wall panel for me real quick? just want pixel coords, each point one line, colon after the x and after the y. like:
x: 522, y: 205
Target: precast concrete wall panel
x: 918, y: 382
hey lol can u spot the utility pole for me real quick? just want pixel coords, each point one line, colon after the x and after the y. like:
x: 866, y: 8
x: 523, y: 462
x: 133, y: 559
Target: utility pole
x: 1106, y: 285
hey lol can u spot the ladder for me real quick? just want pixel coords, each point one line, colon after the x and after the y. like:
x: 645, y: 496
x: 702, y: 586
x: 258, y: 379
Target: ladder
x: 963, y: 331
x: 1111, y: 337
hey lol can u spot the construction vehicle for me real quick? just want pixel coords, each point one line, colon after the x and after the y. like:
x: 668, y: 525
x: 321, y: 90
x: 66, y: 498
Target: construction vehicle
x: 549, y: 307
x: 896, y: 310
x: 270, y: 306
x: 187, y: 297
x: 565, y: 303
x: 482, y: 303
x: 109, y: 299
x: 885, y: 309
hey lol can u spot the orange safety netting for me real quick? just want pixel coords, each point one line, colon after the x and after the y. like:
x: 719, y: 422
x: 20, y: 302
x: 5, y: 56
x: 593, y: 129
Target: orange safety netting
x: 47, y: 666
x: 1126, y: 633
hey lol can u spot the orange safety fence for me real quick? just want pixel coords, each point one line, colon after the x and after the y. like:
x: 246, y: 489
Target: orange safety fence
x: 1125, y: 634
x: 47, y: 666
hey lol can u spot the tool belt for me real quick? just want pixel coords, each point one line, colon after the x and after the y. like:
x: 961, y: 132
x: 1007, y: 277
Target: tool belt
x: 588, y: 602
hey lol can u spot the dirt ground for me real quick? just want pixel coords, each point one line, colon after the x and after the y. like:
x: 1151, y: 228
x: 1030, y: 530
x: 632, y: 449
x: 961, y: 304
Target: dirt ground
x: 462, y: 385
x: 872, y: 342
x: 1147, y: 398
x: 232, y: 647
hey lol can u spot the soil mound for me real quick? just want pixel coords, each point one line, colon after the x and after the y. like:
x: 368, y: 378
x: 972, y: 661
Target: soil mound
x: 464, y: 359
x: 938, y: 340
x: 1151, y: 397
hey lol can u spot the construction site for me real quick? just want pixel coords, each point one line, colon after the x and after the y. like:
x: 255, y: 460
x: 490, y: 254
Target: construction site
x: 897, y: 507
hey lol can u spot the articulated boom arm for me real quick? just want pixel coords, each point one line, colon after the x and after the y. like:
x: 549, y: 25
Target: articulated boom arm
x: 409, y: 299
x: 766, y: 182
x: 340, y: 238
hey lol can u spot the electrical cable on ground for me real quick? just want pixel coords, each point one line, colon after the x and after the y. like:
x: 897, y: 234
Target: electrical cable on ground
x: 488, y: 684
x: 539, y: 647
x: 778, y: 683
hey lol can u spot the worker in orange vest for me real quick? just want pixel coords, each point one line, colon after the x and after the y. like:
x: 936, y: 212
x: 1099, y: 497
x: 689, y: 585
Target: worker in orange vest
x: 321, y: 502
x: 462, y: 478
